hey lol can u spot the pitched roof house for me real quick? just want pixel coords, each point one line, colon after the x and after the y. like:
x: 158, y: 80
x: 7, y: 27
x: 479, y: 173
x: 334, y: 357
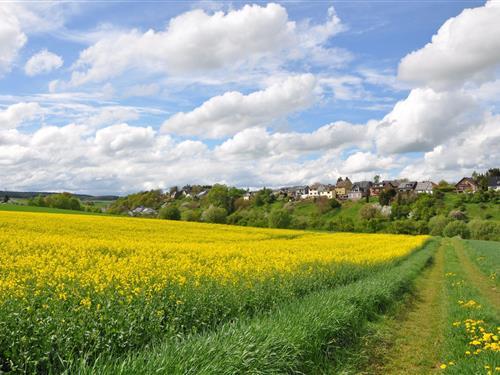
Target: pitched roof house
x: 494, y: 183
x: 375, y: 189
x: 406, y: 187
x: 424, y: 187
x: 343, y: 187
x: 359, y: 190
x: 466, y: 185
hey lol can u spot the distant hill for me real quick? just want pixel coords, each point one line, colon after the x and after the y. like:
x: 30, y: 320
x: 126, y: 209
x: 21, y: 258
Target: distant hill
x: 32, y: 194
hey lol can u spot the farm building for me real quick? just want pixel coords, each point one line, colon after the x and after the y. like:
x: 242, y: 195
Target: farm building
x: 466, y: 185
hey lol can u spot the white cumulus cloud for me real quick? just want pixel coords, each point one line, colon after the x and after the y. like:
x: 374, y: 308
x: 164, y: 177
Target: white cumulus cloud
x: 42, y: 62
x: 465, y: 48
x: 12, y: 39
x: 14, y: 115
x: 232, y: 112
x: 197, y: 41
x: 424, y: 119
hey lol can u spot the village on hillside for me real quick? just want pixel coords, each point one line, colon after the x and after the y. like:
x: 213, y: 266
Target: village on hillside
x: 345, y: 189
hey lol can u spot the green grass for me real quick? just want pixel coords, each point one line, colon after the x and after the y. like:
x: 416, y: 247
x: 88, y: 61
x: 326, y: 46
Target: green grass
x: 486, y: 256
x: 98, y: 203
x: 22, y: 208
x: 308, y: 335
x: 409, y: 338
x: 466, y: 301
x: 489, y: 211
x: 428, y: 330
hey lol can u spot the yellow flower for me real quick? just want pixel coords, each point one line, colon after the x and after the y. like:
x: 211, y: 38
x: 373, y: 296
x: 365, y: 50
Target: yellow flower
x: 443, y: 366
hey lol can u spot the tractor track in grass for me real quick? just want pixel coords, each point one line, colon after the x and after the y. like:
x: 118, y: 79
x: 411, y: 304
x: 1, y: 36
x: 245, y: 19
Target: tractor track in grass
x: 478, y: 279
x: 411, y: 340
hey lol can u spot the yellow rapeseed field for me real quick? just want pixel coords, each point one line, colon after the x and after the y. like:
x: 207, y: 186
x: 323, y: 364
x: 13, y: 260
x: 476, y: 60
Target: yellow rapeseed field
x: 134, y: 256
x: 74, y: 286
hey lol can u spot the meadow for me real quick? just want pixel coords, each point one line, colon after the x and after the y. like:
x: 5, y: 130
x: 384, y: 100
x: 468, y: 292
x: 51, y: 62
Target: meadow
x: 79, y: 286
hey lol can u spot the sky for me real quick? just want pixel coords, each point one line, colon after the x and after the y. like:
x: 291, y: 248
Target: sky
x: 113, y: 97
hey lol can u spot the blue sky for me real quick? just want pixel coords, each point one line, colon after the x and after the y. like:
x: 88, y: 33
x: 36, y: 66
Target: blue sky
x: 114, y: 97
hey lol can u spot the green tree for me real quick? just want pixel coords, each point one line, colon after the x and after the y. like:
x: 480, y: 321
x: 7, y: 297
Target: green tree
x: 218, y: 196
x: 425, y: 207
x: 191, y: 215
x: 64, y: 201
x: 279, y: 218
x: 484, y: 230
x: 456, y: 228
x: 170, y: 212
x: 437, y: 225
x: 214, y: 214
x: 386, y: 196
x: 264, y: 196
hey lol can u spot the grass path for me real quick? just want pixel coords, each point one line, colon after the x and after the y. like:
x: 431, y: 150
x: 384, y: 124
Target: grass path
x: 421, y: 335
x: 416, y: 334
x: 476, y: 277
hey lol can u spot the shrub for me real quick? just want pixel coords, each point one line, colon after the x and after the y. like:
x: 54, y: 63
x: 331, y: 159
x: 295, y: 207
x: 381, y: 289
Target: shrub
x: 279, y: 218
x: 191, y: 215
x: 457, y: 215
x: 170, y: 213
x: 373, y: 225
x: 241, y: 203
x: 437, y: 225
x: 256, y: 219
x: 236, y: 218
x: 407, y: 226
x: 369, y: 211
x: 214, y: 215
x: 335, y: 203
x: 324, y: 204
x: 342, y: 224
x: 484, y: 230
x: 456, y: 228
x: 298, y: 222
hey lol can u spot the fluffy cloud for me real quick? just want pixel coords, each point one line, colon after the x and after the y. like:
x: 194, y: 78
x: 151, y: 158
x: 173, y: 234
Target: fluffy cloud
x: 476, y: 149
x: 466, y: 48
x: 425, y: 119
x: 18, y: 20
x: 231, y: 112
x: 197, y: 41
x: 366, y: 162
x: 14, y: 115
x: 111, y: 115
x: 258, y: 143
x: 123, y: 138
x: 124, y: 158
x: 12, y: 39
x: 42, y: 62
